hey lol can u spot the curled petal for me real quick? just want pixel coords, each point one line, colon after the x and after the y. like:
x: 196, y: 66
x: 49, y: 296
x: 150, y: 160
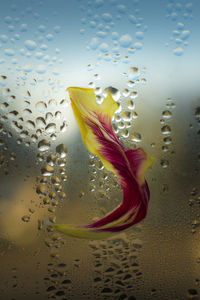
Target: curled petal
x: 130, y: 166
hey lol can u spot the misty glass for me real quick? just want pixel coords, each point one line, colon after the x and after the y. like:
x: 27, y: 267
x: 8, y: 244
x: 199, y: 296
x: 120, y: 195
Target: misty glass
x: 147, y: 54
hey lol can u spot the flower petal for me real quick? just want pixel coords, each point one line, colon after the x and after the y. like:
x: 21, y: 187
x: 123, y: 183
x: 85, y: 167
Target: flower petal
x: 130, y: 166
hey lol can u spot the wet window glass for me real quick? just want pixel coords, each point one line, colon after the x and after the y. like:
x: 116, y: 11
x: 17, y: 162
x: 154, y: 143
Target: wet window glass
x: 143, y: 57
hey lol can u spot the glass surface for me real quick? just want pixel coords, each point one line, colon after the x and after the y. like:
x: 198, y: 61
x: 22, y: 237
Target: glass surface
x: 149, y: 53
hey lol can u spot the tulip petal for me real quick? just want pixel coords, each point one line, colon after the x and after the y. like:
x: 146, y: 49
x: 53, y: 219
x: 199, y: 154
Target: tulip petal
x: 130, y: 166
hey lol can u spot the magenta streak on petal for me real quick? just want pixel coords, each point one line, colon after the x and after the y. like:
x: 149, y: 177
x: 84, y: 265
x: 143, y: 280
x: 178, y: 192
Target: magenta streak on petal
x: 126, y: 164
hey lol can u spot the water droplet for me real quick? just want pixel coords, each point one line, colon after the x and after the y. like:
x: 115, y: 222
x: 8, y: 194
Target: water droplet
x: 125, y: 40
x: 62, y: 195
x: 41, y: 189
x: 41, y: 69
x: 138, y: 45
x: 27, y: 112
x: 51, y: 159
x: 192, y: 293
x: 126, y: 116
x: 49, y: 117
x: 133, y: 95
x: 94, y: 43
x: 26, y: 218
x: 41, y: 106
x: 13, y: 115
x: 40, y: 122
x: 133, y: 73
x: 167, y: 140
x: 132, y: 19
x: 197, y: 112
x: 58, y: 115
x: 64, y: 177
x: 61, y: 150
x: 139, y: 35
x: 55, y: 180
x: 24, y: 134
x: 34, y: 138
x: 104, y: 47
x: 178, y: 51
x: 164, y: 163
x: 30, y: 45
x: 165, y: 148
x: 47, y: 170
x: 62, y: 162
x: 166, y: 114
x: 136, y: 137
x: 126, y: 92
x: 50, y: 128
x: 185, y: 35
x: 2, y: 142
x: 114, y: 92
x: 63, y: 127
x: 9, y: 52
x: 30, y: 125
x: 131, y: 105
x: 125, y: 133
x: 134, y: 115
x: 166, y: 129
x: 43, y: 145
x: 120, y: 125
x: 3, y: 38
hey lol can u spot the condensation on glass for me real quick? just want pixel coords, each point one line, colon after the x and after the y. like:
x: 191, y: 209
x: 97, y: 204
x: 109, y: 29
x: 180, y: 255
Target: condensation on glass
x: 146, y: 55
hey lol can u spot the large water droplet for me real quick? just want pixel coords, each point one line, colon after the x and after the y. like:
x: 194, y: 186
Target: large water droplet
x: 40, y: 122
x: 41, y: 106
x: 51, y: 128
x: 47, y: 170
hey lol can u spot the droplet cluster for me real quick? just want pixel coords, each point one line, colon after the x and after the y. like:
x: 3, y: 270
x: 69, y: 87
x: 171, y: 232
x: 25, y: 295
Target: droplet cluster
x: 181, y: 15
x: 103, y: 33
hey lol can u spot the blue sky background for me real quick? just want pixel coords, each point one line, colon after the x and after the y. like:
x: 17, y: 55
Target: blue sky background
x: 156, y: 20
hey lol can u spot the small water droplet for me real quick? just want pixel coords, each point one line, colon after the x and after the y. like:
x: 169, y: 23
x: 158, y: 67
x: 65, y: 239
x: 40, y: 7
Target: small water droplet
x: 131, y: 105
x: 166, y: 129
x: 30, y: 45
x: 166, y: 114
x: 178, y: 51
x: 43, y: 145
x: 164, y: 163
x: 136, y: 137
x: 114, y: 92
x: 126, y: 116
x: 26, y: 218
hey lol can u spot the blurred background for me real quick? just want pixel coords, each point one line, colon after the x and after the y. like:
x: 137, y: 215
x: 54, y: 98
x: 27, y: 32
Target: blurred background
x: 146, y: 53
